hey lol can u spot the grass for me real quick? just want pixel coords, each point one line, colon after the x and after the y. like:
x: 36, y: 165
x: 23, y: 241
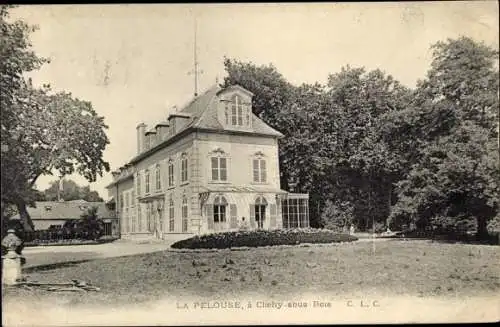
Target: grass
x: 415, y: 268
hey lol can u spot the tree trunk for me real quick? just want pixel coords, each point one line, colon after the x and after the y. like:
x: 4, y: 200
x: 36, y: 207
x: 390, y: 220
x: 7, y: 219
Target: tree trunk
x: 25, y: 217
x: 482, y: 231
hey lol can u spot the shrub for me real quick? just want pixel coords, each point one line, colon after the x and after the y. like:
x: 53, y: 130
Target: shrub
x: 262, y: 238
x: 337, y: 216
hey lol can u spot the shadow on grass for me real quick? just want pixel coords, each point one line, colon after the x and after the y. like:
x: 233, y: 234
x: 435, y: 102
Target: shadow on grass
x: 53, y: 266
x: 491, y: 239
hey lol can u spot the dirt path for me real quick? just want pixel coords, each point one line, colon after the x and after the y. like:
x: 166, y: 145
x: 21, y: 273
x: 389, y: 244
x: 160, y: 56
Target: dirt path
x: 49, y: 255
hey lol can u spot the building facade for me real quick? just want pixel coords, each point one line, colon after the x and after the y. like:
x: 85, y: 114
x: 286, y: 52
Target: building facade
x: 212, y: 166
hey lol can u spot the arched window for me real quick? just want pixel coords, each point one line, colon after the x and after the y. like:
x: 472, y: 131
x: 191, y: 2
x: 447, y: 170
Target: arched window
x: 237, y: 111
x: 184, y: 214
x: 226, y: 112
x: 139, y: 191
x: 139, y: 218
x: 158, y: 178
x: 147, y: 181
x: 184, y: 168
x: 171, y: 213
x: 260, y: 211
x: 171, y: 173
x: 220, y: 204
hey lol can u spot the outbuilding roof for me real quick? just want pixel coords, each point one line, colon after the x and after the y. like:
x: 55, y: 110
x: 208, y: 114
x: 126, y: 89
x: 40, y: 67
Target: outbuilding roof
x: 66, y: 210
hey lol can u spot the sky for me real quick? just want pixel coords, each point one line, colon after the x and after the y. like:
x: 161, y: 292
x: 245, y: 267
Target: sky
x: 132, y: 61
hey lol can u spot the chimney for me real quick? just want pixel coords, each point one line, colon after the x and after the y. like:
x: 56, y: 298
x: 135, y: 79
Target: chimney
x: 178, y: 121
x: 141, y: 130
x: 161, y: 131
x: 151, y: 139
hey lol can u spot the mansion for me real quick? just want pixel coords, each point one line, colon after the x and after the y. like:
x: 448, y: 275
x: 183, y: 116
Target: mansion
x: 212, y: 166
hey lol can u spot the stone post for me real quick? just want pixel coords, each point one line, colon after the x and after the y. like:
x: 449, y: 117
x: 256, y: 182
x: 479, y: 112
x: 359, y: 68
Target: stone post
x: 11, y: 261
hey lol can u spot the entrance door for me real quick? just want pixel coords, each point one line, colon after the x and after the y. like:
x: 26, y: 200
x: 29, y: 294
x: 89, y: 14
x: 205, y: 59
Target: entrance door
x: 220, y: 213
x: 260, y: 215
x: 260, y: 211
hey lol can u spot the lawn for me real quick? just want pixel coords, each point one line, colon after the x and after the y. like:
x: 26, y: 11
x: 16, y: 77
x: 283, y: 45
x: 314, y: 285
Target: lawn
x: 410, y: 268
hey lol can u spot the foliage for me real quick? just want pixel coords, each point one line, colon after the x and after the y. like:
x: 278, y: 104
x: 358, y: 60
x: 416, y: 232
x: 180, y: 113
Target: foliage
x: 91, y: 225
x: 41, y: 131
x: 70, y: 191
x: 328, y: 150
x: 337, y: 216
x: 454, y: 174
x: 258, y: 238
x: 494, y: 224
x: 426, y: 157
x: 88, y: 227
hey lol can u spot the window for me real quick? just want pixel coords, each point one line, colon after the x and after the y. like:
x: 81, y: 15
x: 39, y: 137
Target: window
x: 219, y: 169
x: 127, y: 199
x: 147, y: 181
x: 139, y: 191
x: 122, y: 203
x: 226, y: 112
x: 184, y: 214
x: 237, y: 112
x: 295, y: 212
x: 148, y: 218
x: 139, y: 218
x: 127, y: 220
x: 132, y: 200
x: 184, y: 168
x: 171, y: 214
x: 220, y: 204
x: 158, y: 178
x: 170, y: 173
x: 259, y: 170
x: 260, y: 211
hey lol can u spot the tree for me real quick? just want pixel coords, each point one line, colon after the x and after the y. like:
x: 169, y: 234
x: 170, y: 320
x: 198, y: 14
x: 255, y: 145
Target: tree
x: 91, y: 225
x: 42, y: 132
x: 328, y: 149
x: 70, y: 191
x: 455, y: 173
x: 337, y: 216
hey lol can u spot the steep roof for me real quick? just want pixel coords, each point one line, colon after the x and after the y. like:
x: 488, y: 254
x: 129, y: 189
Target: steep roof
x: 202, y: 112
x: 66, y: 210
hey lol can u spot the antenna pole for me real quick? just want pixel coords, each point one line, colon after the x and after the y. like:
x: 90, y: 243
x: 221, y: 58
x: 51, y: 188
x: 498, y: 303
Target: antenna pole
x: 195, y: 62
x: 195, y: 71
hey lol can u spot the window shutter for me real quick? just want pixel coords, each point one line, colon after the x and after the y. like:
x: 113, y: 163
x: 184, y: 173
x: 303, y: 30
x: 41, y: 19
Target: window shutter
x: 255, y: 170
x: 263, y: 174
x: 252, y: 216
x: 272, y: 222
x: 234, y: 218
x: 210, y: 216
x: 279, y: 213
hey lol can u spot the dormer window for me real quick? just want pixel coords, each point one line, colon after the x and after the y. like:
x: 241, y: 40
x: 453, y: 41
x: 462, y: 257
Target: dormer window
x: 48, y: 208
x: 236, y: 111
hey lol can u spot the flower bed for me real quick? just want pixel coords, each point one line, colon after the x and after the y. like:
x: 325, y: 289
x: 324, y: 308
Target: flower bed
x: 68, y: 242
x: 262, y: 238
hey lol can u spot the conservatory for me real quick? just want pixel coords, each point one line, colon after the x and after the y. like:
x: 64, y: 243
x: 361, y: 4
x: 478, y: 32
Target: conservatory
x: 295, y: 210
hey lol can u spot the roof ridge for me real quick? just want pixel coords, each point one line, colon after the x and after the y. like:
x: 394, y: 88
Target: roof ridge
x: 194, y: 99
x: 205, y: 110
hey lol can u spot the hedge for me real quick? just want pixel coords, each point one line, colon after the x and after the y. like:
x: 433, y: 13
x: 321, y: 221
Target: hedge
x: 262, y: 238
x: 61, y: 242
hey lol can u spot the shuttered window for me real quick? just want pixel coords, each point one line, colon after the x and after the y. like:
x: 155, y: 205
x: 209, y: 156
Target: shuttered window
x: 259, y: 170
